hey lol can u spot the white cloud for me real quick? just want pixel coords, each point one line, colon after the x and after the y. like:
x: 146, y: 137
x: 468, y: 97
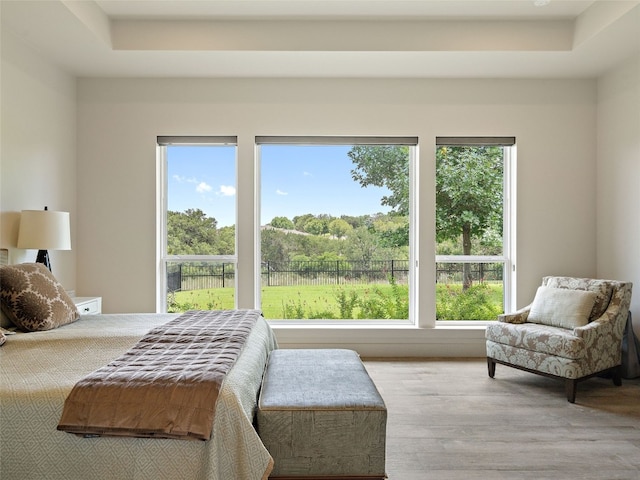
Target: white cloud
x: 307, y: 174
x: 203, y: 187
x: 280, y: 192
x: 182, y: 179
x: 227, y: 190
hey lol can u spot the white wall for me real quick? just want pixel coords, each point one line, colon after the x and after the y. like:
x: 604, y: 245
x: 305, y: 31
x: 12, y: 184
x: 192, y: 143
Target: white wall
x: 554, y: 122
x: 37, y: 149
x: 618, y: 173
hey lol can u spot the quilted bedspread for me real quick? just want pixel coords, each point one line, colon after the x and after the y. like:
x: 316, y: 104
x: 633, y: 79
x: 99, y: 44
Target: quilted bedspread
x: 39, y: 369
x: 167, y: 384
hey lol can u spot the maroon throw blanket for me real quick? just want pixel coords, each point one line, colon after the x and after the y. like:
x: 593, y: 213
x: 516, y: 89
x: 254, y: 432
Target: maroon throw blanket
x: 165, y: 386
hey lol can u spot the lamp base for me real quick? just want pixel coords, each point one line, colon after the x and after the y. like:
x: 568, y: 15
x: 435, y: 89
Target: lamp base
x: 43, y: 257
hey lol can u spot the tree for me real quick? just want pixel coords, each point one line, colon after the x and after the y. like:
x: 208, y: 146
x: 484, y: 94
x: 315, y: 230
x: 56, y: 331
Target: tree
x: 315, y: 226
x: 362, y: 244
x: 300, y: 220
x: 282, y: 222
x: 384, y: 166
x: 192, y: 233
x: 469, y: 195
x: 276, y: 246
x: 469, y: 189
x: 339, y: 228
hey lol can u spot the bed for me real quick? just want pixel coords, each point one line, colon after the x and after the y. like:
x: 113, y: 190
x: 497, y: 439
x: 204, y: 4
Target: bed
x: 38, y: 370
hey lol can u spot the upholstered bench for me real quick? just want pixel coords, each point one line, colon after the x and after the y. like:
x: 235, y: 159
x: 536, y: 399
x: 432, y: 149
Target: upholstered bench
x: 321, y: 416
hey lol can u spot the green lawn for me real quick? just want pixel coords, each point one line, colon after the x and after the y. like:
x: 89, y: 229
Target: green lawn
x: 321, y: 301
x: 313, y: 299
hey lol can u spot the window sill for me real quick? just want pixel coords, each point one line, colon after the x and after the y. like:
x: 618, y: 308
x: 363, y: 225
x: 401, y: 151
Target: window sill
x: 375, y: 325
x: 386, y: 340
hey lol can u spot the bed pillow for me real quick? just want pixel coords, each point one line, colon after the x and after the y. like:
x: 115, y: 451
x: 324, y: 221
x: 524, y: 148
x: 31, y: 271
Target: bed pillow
x: 561, y: 307
x: 33, y: 299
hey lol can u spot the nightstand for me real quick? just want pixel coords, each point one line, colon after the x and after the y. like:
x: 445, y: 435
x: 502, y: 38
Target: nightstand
x: 88, y: 305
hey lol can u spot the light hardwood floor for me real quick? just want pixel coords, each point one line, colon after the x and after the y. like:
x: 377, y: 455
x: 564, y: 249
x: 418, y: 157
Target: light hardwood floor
x: 447, y: 420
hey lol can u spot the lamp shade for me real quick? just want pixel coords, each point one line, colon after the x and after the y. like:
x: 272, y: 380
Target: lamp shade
x: 44, y: 230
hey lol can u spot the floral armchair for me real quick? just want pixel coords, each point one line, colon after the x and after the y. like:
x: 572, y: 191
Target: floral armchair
x: 572, y: 330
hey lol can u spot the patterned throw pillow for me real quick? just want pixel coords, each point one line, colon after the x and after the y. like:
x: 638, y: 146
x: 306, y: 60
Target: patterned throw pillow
x: 33, y: 299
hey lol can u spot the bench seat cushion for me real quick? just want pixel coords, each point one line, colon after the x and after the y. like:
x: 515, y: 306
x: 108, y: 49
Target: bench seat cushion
x: 321, y: 416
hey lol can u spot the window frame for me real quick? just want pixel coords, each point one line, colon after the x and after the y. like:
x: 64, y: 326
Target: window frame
x: 509, y: 222
x: 413, y: 276
x: 248, y: 197
x: 162, y: 142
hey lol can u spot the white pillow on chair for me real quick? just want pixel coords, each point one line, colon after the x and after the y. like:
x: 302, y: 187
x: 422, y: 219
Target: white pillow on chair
x: 561, y: 307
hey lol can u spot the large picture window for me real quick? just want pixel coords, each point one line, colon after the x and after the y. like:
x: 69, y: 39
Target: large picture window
x: 336, y: 228
x: 474, y: 221
x: 198, y: 240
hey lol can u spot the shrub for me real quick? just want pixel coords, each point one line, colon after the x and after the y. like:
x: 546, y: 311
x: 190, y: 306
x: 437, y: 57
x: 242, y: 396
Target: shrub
x: 393, y: 305
x: 347, y: 302
x: 475, y: 303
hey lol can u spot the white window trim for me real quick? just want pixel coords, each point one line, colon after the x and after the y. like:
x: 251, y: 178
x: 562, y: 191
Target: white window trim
x: 247, y: 154
x: 508, y: 229
x: 410, y: 141
x: 161, y: 207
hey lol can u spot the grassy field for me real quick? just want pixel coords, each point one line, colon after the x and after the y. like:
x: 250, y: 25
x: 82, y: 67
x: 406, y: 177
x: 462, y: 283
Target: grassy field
x: 313, y: 300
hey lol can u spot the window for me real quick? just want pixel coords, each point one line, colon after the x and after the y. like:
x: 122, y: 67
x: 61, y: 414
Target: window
x: 198, y: 217
x: 336, y: 228
x: 474, y: 225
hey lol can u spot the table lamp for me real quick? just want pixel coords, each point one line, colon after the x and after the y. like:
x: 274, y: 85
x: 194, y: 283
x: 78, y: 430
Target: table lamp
x: 44, y: 230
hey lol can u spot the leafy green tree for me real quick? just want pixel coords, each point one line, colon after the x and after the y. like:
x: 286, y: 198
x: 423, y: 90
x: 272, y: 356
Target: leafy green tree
x: 469, y: 195
x: 276, y: 246
x: 339, y: 228
x: 282, y: 222
x: 468, y: 191
x: 392, y: 229
x: 226, y: 240
x: 362, y: 244
x: 316, y: 226
x: 384, y: 166
x: 300, y: 220
x: 355, y: 222
x: 192, y: 232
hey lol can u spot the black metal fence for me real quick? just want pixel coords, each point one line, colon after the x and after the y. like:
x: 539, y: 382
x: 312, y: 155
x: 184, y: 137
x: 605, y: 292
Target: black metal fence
x: 478, y: 272
x: 336, y: 272
x: 198, y: 276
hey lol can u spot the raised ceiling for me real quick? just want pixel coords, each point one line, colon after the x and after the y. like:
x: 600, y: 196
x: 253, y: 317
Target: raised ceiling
x: 328, y: 38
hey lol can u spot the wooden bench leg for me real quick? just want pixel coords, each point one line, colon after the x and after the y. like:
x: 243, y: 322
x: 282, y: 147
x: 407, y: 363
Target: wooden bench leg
x: 491, y: 365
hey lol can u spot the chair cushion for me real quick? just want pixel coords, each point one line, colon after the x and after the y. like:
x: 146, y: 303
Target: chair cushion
x: 539, y: 338
x: 602, y: 288
x: 561, y: 307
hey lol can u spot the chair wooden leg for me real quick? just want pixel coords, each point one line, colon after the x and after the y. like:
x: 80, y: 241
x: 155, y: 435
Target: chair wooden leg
x: 617, y: 376
x: 570, y: 387
x: 491, y: 365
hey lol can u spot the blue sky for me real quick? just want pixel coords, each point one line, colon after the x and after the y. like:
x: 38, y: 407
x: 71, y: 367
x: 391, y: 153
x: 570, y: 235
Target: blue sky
x: 295, y: 180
